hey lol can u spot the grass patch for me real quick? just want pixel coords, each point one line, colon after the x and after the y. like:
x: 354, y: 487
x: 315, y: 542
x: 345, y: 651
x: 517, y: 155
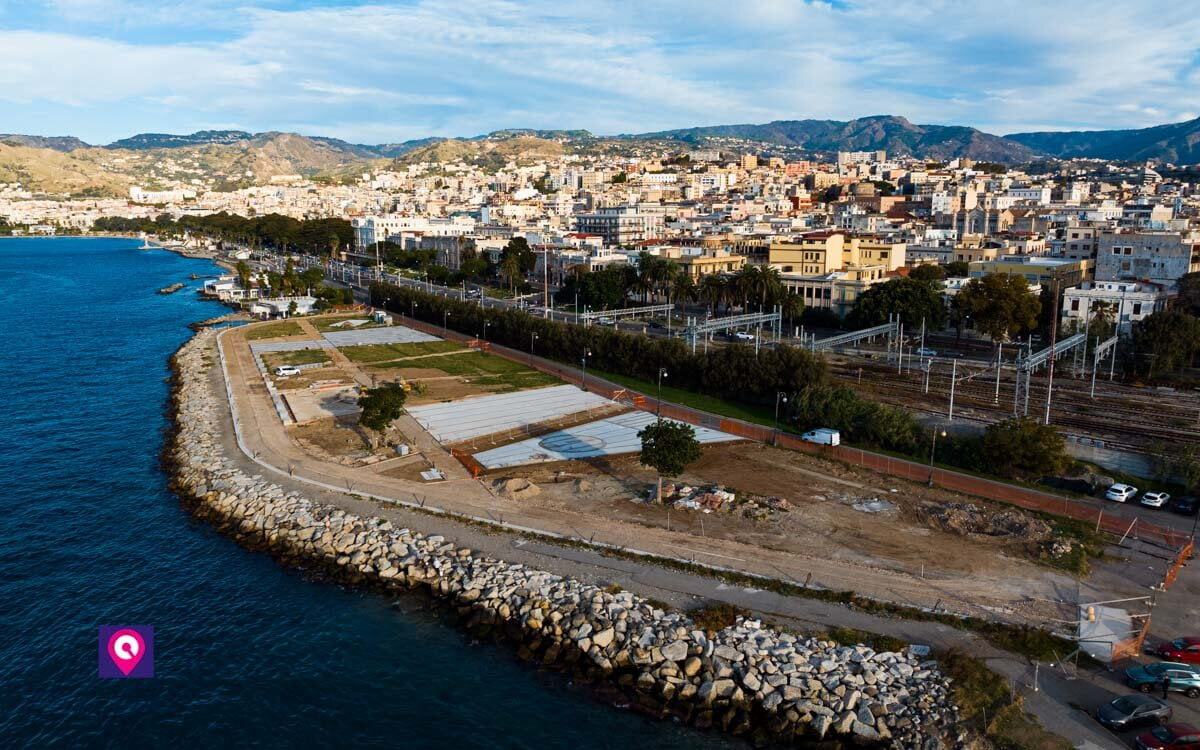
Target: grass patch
x: 297, y: 357
x: 380, y: 354
x: 758, y: 415
x: 989, y: 707
x: 472, y: 363
x: 853, y: 637
x: 517, y: 381
x: 274, y: 330
x: 714, y: 617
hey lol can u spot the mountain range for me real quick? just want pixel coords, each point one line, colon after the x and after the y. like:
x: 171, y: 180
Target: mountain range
x: 225, y: 159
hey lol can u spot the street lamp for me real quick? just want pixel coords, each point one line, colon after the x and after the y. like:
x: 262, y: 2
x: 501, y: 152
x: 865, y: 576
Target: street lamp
x: 445, y: 317
x: 662, y: 373
x: 932, y: 448
x: 532, y: 338
x: 412, y: 309
x: 483, y: 336
x: 780, y: 397
x: 586, y: 354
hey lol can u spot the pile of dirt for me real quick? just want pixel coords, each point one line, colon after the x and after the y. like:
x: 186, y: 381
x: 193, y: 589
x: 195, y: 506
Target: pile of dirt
x: 967, y: 519
x: 516, y: 488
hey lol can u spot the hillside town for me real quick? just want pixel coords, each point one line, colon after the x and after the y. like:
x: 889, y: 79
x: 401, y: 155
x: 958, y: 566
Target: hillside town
x: 1102, y: 233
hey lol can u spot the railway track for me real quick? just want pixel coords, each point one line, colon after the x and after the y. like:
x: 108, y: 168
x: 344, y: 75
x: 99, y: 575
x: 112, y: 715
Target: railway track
x: 1116, y: 416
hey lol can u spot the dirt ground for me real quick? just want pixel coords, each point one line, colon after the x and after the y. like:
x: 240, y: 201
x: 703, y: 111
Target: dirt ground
x: 331, y: 374
x: 336, y: 439
x: 822, y: 519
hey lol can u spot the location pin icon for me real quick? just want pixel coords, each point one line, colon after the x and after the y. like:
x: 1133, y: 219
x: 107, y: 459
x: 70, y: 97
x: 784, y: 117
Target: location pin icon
x: 125, y: 648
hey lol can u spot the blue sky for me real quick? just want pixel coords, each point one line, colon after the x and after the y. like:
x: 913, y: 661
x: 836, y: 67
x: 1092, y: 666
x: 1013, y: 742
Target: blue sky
x: 390, y: 71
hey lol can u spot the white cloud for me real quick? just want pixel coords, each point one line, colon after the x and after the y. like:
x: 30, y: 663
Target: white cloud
x: 401, y: 70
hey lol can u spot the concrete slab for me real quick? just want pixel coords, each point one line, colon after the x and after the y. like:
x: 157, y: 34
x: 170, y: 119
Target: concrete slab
x: 472, y: 417
x: 286, y: 346
x: 605, y: 437
x: 388, y: 335
x: 322, y: 403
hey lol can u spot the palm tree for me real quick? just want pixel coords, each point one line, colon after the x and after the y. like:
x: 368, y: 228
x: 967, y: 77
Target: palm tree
x: 791, y: 305
x: 712, y: 289
x: 683, y: 287
x: 746, y: 283
x: 510, y: 269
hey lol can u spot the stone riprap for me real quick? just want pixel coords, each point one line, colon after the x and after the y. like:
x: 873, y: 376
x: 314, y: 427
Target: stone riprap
x: 745, y: 679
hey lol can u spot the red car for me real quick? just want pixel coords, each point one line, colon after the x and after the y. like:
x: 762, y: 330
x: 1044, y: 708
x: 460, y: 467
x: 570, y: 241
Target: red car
x: 1173, y: 736
x: 1181, y: 649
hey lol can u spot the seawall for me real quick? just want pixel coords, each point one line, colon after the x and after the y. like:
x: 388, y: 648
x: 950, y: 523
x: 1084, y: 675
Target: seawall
x: 745, y: 679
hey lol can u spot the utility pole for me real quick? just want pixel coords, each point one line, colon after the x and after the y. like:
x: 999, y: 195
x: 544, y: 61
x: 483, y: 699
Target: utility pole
x: 1095, y: 363
x: 999, y: 359
x: 953, y: 381
x: 1053, y: 341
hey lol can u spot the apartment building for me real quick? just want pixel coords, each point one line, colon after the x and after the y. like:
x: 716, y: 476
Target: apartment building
x: 1158, y: 256
x: 822, y: 252
x: 1130, y: 301
x: 1035, y: 269
x: 621, y: 225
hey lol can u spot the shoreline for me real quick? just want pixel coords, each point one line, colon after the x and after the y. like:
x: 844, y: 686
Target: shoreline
x: 746, y: 680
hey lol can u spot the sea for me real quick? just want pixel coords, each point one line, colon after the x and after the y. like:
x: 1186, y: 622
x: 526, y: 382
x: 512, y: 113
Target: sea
x: 247, y: 653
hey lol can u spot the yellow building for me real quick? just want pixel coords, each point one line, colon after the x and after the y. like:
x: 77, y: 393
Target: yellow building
x: 823, y: 252
x: 710, y: 261
x: 1036, y: 269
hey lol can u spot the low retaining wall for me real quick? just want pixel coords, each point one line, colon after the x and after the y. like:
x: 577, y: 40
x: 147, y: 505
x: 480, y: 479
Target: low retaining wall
x: 745, y: 679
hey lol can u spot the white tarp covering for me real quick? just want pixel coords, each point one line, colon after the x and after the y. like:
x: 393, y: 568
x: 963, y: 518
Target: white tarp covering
x: 605, y: 437
x: 484, y: 415
x: 286, y: 346
x: 388, y: 335
x: 1111, y: 626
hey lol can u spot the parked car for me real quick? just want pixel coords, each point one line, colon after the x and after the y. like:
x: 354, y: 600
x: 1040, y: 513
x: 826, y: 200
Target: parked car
x: 1149, y: 677
x: 1131, y: 711
x: 743, y: 336
x: 823, y: 435
x: 1119, y: 493
x: 284, y: 371
x: 1155, y: 499
x: 657, y: 324
x: 606, y: 321
x: 1173, y: 736
x: 1183, y: 650
x: 926, y: 352
x: 1186, y: 505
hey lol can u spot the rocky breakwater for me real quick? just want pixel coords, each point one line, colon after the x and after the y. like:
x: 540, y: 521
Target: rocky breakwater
x: 745, y: 679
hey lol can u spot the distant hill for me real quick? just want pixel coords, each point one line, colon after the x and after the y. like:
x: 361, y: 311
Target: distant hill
x: 144, y: 141
x: 1178, y: 143
x: 62, y: 143
x: 894, y: 134
x: 80, y: 172
x: 486, y: 152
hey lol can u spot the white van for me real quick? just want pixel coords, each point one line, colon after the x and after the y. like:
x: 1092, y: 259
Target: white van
x: 284, y: 371
x: 823, y: 436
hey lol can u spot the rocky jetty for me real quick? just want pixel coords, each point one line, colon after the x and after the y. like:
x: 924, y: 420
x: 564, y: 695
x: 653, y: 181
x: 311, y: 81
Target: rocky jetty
x: 749, y: 680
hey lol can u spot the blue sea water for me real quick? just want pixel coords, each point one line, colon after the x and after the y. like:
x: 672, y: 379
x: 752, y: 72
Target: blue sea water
x: 248, y: 654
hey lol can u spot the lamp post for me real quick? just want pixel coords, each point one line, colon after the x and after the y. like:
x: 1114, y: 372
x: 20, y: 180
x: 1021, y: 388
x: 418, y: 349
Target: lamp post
x: 483, y: 336
x: 932, y: 448
x: 532, y: 338
x: 662, y: 373
x: 586, y: 354
x: 412, y: 309
x: 445, y: 318
x: 780, y: 396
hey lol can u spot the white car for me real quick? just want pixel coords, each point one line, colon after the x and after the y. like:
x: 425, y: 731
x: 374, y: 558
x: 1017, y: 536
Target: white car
x: 1155, y: 499
x: 1119, y: 493
x: 743, y: 336
x: 926, y: 352
x: 284, y: 371
x: 606, y: 321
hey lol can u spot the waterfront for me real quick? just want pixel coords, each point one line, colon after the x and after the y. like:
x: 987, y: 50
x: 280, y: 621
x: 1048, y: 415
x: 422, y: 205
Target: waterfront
x: 246, y: 652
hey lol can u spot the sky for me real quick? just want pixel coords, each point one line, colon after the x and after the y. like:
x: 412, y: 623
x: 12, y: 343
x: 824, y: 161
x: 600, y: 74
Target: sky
x: 385, y: 72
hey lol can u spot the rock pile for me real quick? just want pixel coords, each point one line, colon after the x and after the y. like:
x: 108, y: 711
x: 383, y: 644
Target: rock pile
x: 745, y: 679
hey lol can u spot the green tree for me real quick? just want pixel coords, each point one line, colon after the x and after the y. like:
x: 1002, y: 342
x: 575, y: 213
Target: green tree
x: 911, y: 299
x: 957, y: 269
x: 1024, y: 448
x: 1000, y: 305
x: 510, y: 269
x: 381, y: 406
x: 927, y: 272
x: 526, y: 258
x: 712, y: 289
x: 1163, y: 342
x: 1188, y: 299
x: 668, y: 447
x: 243, y: 274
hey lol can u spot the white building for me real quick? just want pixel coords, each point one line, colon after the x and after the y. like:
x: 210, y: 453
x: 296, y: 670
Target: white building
x: 1131, y: 301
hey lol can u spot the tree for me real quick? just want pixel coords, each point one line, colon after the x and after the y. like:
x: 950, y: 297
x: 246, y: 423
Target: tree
x: 381, y: 406
x: 243, y: 274
x: 1000, y: 305
x: 1164, y: 342
x: 510, y: 269
x: 791, y: 305
x: 1188, y: 299
x: 957, y: 269
x: 712, y: 289
x: 1024, y: 448
x: 927, y: 272
x: 913, y: 300
x: 683, y: 288
x: 668, y: 447
x: 526, y: 258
